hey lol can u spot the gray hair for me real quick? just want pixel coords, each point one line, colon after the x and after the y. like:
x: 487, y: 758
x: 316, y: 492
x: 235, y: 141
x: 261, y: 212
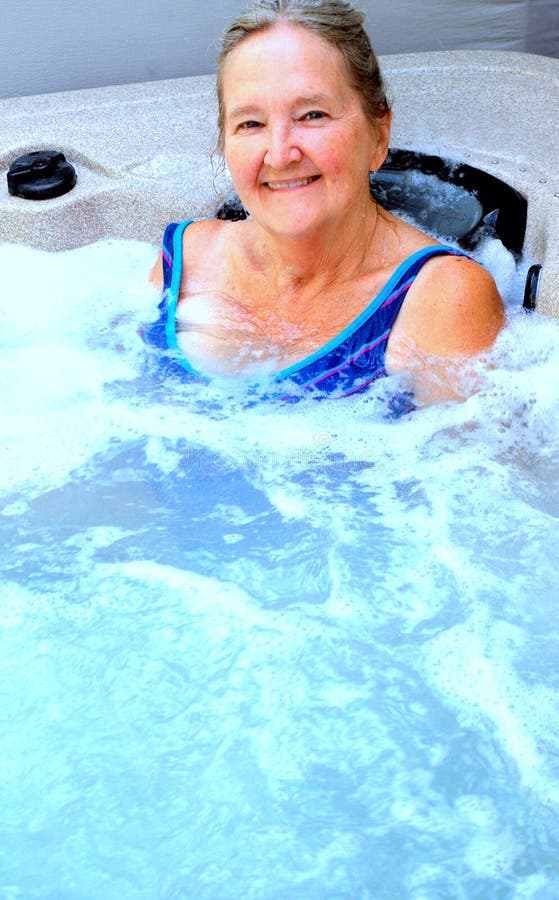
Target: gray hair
x: 335, y: 21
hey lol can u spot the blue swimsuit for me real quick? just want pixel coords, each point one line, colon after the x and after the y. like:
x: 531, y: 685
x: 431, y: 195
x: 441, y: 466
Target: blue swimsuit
x: 346, y: 364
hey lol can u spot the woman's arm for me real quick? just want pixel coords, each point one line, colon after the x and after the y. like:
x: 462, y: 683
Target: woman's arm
x: 452, y: 313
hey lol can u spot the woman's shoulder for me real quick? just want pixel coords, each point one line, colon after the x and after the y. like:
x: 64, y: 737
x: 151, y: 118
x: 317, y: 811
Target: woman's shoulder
x: 448, y: 282
x: 200, y: 242
x: 210, y: 233
x: 453, y: 307
x: 215, y: 252
x: 452, y: 312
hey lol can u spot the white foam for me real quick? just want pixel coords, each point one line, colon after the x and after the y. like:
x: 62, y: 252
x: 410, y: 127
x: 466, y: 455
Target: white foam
x: 69, y: 326
x: 283, y: 597
x: 473, y: 665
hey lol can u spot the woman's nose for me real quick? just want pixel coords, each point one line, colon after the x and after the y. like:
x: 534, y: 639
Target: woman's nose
x: 282, y: 148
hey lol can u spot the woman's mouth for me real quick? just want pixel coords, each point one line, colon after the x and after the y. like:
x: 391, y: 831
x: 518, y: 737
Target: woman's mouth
x: 290, y: 185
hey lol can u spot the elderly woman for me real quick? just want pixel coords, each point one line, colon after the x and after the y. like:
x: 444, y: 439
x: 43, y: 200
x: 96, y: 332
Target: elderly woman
x: 319, y: 288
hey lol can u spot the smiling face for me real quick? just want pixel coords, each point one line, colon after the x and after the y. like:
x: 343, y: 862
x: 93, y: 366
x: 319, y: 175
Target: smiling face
x: 296, y: 139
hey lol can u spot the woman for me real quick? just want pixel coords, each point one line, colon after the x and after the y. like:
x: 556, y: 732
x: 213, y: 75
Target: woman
x: 320, y: 287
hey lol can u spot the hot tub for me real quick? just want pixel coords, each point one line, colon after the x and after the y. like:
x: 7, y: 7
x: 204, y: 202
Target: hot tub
x: 262, y: 652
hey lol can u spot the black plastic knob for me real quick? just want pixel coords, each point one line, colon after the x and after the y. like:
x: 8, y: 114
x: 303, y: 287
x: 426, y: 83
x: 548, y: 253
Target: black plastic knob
x: 41, y: 175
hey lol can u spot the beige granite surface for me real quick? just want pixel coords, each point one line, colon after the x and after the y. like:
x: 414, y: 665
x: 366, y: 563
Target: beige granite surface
x: 144, y: 153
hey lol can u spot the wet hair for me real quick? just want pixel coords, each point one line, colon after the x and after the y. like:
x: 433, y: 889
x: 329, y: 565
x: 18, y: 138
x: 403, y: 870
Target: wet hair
x: 335, y: 21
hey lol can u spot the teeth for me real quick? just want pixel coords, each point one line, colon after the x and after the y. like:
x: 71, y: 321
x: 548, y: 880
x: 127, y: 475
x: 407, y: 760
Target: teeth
x: 285, y: 185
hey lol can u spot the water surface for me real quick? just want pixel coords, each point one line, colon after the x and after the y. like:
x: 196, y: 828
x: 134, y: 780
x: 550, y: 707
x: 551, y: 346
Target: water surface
x: 269, y: 652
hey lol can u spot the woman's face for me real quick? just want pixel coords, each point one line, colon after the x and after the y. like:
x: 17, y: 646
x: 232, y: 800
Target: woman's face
x: 297, y: 141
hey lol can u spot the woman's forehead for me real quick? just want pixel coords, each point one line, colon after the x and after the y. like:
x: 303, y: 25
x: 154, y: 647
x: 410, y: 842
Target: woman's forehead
x: 285, y: 58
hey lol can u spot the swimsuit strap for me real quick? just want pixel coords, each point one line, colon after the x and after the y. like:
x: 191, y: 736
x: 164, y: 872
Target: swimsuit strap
x: 171, y: 252
x: 157, y: 332
x: 171, y: 287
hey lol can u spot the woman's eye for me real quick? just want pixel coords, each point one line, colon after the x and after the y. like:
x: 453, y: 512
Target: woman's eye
x: 314, y: 114
x: 249, y: 124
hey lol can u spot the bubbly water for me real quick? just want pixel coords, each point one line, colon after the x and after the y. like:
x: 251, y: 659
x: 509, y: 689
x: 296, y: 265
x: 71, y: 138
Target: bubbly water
x: 273, y: 651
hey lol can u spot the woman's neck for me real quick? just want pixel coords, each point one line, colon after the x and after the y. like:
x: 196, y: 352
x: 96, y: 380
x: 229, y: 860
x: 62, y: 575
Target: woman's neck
x: 323, y: 259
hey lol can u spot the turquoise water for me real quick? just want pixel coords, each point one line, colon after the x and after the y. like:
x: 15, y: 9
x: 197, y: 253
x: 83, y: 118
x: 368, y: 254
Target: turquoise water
x: 295, y: 652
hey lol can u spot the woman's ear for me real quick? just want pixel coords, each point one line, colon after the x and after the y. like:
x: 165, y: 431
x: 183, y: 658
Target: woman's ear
x: 382, y: 142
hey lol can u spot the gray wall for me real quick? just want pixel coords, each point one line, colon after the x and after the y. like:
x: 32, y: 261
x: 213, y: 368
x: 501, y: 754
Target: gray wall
x: 64, y: 45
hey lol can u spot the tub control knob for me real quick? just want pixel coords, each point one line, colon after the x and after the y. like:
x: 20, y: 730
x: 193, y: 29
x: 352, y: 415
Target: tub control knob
x: 41, y: 175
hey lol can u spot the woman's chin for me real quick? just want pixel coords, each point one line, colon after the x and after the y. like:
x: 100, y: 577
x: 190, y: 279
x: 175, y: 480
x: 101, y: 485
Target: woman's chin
x: 292, y: 223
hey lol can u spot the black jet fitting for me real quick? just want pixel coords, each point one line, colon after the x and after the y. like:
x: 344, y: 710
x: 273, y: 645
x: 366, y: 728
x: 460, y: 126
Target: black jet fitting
x: 41, y: 175
x: 531, y: 287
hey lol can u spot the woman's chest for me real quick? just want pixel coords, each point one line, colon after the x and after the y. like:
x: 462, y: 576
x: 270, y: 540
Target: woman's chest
x: 261, y: 332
